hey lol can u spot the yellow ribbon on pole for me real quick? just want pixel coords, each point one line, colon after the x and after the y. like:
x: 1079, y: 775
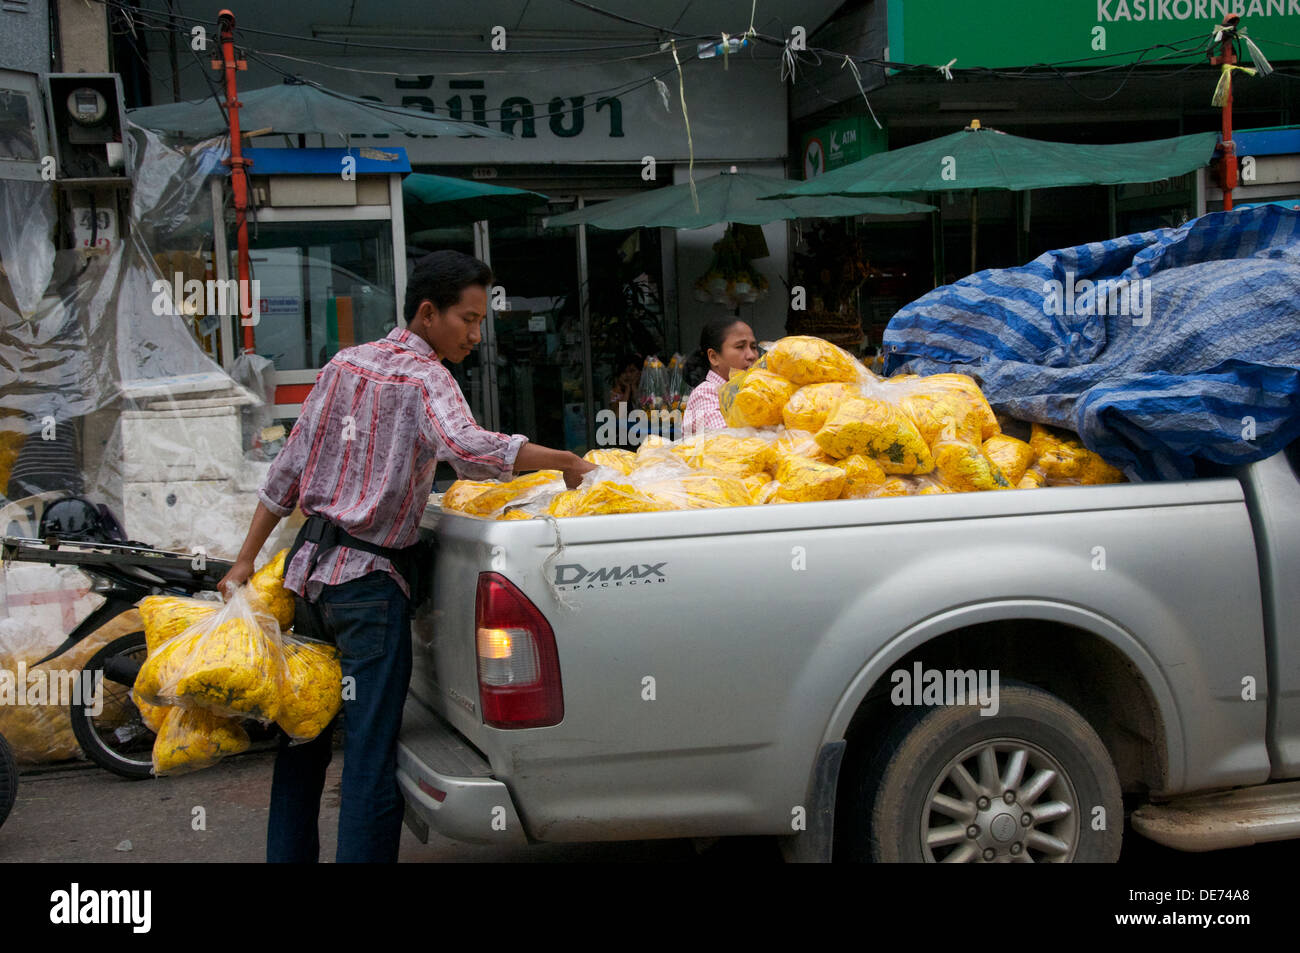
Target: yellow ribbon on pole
x: 1222, y: 90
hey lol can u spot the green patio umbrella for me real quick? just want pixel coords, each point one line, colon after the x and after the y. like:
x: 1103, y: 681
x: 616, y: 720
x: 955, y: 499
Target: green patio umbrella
x: 432, y: 201
x: 979, y: 158
x: 299, y: 107
x: 730, y: 197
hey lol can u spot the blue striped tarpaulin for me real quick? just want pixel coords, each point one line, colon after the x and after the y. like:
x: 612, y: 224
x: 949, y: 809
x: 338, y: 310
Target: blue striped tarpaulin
x: 1155, y: 348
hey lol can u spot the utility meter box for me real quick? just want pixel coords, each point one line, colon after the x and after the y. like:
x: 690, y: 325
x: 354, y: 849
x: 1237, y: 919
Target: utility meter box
x: 86, y: 115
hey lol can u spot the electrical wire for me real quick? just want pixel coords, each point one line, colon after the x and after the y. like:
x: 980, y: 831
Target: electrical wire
x: 1033, y: 72
x: 387, y: 48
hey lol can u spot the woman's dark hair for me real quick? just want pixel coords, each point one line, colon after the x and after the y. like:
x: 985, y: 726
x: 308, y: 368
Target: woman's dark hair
x: 712, y: 336
x: 440, y: 277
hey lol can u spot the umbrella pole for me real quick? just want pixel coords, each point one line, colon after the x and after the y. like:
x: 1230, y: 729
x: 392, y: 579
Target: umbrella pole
x: 974, y: 226
x: 238, y: 177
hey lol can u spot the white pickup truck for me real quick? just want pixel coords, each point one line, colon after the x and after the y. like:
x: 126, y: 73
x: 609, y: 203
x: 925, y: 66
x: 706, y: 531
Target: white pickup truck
x: 979, y: 677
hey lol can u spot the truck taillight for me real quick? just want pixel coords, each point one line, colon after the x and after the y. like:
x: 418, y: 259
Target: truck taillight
x: 518, y: 666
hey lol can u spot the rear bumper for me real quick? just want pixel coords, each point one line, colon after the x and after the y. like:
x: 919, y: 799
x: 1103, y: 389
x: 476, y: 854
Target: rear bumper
x: 448, y: 786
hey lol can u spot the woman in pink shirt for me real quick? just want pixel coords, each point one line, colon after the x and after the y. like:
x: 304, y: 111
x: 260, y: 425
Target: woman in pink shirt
x: 725, y: 344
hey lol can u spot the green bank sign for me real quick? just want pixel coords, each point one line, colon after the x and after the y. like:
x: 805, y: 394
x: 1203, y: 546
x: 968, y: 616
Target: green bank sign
x: 1001, y: 33
x: 840, y: 143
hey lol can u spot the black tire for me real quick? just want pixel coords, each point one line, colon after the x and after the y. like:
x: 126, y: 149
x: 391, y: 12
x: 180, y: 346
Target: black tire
x: 118, y: 740
x: 940, y: 756
x: 8, y: 780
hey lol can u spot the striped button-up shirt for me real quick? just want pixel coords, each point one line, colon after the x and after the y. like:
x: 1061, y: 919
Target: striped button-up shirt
x: 363, y: 453
x: 702, y: 410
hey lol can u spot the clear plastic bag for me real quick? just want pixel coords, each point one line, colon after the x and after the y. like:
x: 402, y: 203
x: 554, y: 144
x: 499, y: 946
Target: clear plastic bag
x: 621, y: 460
x: 313, y: 687
x: 875, y: 429
x: 1012, y: 456
x: 34, y: 699
x: 165, y: 617
x: 963, y: 467
x: 803, y: 359
x: 755, y: 398
x: 191, y: 739
x: 230, y: 663
x: 739, y: 452
x: 267, y: 593
x: 1065, y: 461
x: 490, y: 499
x: 804, y: 480
x: 811, y: 404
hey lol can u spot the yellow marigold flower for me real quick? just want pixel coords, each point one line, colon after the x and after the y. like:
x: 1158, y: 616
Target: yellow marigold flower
x: 189, y: 739
x: 313, y: 688
x: 875, y: 429
x: 804, y: 359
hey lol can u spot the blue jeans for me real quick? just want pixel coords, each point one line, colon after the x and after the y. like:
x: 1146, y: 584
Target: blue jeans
x: 369, y: 619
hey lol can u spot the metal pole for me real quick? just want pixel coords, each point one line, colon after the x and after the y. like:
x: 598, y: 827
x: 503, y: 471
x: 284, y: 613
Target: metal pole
x: 1228, y: 56
x: 238, y: 175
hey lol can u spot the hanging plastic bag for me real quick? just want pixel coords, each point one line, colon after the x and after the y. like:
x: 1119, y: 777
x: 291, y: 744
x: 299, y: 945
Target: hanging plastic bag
x: 190, y: 739
x: 266, y: 590
x: 313, y: 688
x: 166, y: 617
x: 230, y: 663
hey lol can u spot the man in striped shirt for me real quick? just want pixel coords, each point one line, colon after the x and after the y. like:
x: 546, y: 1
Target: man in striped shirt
x: 362, y: 456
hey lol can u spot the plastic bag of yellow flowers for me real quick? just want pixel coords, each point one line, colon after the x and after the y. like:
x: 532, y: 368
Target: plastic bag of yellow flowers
x: 875, y: 429
x: 604, y: 491
x: 1065, y: 461
x: 189, y: 739
x: 230, y: 663
x: 489, y: 499
x: 803, y: 359
x: 963, y: 467
x: 682, y: 488
x: 313, y: 687
x: 266, y: 590
x: 742, y: 452
x: 755, y: 398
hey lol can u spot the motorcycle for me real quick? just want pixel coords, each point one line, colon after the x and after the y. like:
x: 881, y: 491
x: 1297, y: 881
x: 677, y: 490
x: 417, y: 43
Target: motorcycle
x: 124, y: 572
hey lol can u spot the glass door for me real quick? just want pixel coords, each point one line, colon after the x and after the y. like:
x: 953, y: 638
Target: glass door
x: 537, y: 345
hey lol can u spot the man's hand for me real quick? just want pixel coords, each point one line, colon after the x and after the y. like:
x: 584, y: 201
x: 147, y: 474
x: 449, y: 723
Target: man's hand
x: 535, y: 457
x: 573, y: 474
x: 238, y: 575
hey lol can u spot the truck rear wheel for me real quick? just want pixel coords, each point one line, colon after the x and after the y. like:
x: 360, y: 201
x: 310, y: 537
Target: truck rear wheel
x: 1030, y: 784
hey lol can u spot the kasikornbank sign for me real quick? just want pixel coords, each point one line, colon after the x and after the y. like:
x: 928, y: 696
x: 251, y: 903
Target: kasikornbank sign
x: 937, y: 31
x: 582, y: 113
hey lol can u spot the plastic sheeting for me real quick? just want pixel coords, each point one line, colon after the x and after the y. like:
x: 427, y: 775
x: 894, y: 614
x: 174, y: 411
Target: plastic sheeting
x: 103, y: 396
x: 1197, y: 355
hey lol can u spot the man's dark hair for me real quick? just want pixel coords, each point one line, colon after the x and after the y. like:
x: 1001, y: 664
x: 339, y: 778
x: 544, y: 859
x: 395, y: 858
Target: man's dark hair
x: 440, y: 277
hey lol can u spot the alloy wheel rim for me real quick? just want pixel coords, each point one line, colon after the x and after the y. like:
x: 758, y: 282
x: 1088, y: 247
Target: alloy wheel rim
x: 1003, y: 800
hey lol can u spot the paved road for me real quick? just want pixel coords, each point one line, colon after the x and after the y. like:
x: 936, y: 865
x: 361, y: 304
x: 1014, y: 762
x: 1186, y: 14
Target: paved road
x: 79, y: 813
